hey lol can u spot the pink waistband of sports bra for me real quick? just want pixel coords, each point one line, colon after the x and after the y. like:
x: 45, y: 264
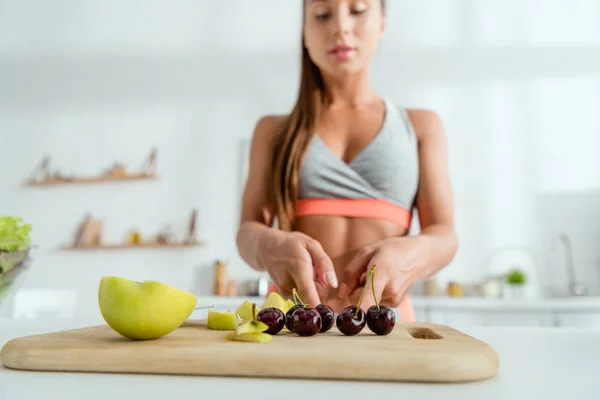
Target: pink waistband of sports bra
x: 366, y: 208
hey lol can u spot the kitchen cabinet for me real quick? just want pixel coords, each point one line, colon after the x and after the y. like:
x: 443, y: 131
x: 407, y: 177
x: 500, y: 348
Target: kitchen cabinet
x: 567, y: 312
x: 576, y: 319
x: 482, y: 318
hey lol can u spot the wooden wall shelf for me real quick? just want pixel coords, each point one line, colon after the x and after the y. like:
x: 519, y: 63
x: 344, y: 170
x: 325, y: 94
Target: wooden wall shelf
x: 91, y: 179
x: 144, y: 245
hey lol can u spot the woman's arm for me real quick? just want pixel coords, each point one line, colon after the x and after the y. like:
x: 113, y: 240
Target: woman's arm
x: 293, y: 260
x: 437, y: 243
x: 256, y: 214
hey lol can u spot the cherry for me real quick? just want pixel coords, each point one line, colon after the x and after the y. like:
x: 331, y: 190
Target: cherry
x: 381, y: 319
x: 288, y: 316
x: 306, y: 321
x: 327, y: 317
x: 298, y: 303
x: 351, y: 320
x: 273, y: 318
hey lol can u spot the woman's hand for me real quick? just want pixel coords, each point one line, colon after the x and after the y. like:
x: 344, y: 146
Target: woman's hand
x: 394, y: 275
x: 295, y: 260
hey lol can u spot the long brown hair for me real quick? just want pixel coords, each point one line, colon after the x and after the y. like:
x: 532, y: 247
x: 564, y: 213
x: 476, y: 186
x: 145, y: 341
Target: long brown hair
x: 294, y: 137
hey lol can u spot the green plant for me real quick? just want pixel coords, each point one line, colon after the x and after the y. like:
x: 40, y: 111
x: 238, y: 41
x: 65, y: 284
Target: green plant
x: 516, y: 277
x: 15, y: 232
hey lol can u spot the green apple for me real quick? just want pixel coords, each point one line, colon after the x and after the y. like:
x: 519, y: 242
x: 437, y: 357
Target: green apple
x: 245, y: 310
x: 143, y: 310
x: 222, y: 321
x: 275, y: 300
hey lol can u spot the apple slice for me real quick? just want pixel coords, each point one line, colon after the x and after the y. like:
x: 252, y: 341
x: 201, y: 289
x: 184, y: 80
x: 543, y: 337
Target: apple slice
x: 250, y: 337
x: 290, y: 304
x: 274, y: 300
x: 146, y: 310
x: 222, y: 321
x: 251, y: 330
x: 253, y: 326
x: 245, y: 310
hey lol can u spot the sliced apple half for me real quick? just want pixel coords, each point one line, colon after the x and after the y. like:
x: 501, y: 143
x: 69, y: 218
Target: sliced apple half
x: 143, y: 310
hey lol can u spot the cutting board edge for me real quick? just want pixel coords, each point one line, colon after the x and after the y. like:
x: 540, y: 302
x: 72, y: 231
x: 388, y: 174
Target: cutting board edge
x: 15, y: 357
x: 448, y: 379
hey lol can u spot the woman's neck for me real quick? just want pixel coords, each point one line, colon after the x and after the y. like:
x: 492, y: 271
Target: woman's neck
x: 353, y: 90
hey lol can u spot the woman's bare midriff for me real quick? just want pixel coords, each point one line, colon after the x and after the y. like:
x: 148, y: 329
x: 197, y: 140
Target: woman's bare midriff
x: 341, y: 238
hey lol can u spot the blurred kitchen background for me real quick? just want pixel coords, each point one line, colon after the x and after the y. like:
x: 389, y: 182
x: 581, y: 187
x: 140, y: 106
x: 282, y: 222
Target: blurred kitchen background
x: 168, y: 92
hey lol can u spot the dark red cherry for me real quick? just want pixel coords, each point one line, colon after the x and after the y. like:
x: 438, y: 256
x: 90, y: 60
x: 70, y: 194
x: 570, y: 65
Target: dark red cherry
x: 288, y: 316
x: 348, y: 323
x: 306, y: 321
x: 327, y: 317
x: 273, y: 318
x: 382, y: 320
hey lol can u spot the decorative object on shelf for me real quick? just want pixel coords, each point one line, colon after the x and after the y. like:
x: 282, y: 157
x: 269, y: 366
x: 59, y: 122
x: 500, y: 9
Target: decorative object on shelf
x: 118, y: 170
x: 231, y: 288
x: 191, y: 236
x: 491, y: 287
x: 258, y: 287
x: 134, y: 237
x: 455, y: 289
x: 516, y: 280
x: 42, y: 171
x: 165, y: 236
x: 89, y: 232
x: 430, y: 287
x: 499, y: 263
x: 149, y: 167
x: 88, y: 236
x: 220, y: 284
x: 43, y: 176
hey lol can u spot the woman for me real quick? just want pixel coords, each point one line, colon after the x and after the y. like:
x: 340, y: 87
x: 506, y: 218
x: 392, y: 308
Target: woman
x: 342, y: 173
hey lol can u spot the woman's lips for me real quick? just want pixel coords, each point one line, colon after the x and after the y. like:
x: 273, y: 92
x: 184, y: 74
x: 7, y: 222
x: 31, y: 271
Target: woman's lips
x: 342, y: 52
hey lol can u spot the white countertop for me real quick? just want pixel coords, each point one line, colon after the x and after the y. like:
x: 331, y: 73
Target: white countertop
x: 535, y: 363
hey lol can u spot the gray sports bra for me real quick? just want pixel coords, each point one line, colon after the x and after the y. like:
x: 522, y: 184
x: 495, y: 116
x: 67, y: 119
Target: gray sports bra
x: 386, y: 169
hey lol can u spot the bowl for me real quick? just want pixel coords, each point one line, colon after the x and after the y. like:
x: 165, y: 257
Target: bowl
x: 16, y: 259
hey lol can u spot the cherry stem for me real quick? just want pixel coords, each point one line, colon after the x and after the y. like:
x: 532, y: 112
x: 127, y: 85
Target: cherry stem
x: 297, y: 298
x: 362, y: 295
x: 372, y: 275
x: 254, y: 313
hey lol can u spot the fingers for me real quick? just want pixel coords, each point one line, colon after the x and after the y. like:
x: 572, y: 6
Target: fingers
x: 353, y: 271
x: 322, y: 290
x: 284, y: 292
x: 322, y: 263
x: 303, y: 276
x: 396, y: 291
x: 363, y: 278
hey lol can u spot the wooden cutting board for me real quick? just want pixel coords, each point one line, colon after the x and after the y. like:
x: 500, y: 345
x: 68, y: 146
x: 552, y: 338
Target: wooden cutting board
x: 412, y: 352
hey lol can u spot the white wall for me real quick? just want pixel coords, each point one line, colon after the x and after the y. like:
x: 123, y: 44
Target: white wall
x: 516, y: 82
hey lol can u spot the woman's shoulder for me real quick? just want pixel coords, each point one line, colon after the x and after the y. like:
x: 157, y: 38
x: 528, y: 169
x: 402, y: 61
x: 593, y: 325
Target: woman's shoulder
x: 269, y: 123
x: 426, y: 123
x: 266, y: 130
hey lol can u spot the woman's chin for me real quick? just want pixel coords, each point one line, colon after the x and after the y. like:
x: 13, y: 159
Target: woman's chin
x: 340, y: 69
